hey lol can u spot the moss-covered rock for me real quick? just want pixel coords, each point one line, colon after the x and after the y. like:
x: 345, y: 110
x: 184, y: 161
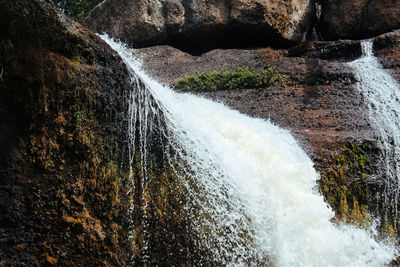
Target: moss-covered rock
x: 345, y: 186
x: 62, y: 133
x: 351, y: 190
x: 70, y: 193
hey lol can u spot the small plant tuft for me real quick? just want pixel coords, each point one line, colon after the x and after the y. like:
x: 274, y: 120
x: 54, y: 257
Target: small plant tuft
x: 80, y: 116
x: 227, y: 79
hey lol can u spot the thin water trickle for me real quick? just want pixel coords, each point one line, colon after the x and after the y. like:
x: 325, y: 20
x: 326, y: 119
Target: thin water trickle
x: 382, y: 94
x: 253, y: 182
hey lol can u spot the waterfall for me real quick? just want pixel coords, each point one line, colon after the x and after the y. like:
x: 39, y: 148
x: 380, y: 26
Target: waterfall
x: 382, y: 94
x: 253, y: 182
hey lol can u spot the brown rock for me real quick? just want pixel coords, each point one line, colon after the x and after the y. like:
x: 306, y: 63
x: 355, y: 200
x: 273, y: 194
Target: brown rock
x: 200, y: 25
x: 61, y: 88
x: 358, y: 19
x: 387, y: 48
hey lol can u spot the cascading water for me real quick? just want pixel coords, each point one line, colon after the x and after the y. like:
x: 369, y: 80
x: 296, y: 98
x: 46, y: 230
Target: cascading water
x: 252, y: 181
x: 382, y: 94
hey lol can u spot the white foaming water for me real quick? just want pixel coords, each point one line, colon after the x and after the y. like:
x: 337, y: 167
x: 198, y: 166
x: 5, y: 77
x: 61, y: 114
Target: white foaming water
x: 382, y: 94
x: 254, y: 184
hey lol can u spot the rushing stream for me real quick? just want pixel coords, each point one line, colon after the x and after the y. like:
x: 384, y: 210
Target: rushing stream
x: 382, y: 94
x: 254, y: 184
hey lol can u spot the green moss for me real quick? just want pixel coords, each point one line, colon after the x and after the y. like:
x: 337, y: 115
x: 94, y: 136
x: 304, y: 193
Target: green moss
x: 109, y: 176
x: 345, y: 188
x: 230, y: 80
x: 76, y: 60
x: 79, y: 116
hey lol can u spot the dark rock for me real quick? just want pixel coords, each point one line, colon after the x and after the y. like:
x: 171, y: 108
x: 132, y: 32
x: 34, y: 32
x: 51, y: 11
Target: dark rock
x: 358, y: 19
x: 343, y: 50
x: 387, y: 41
x: 198, y: 25
x: 61, y: 100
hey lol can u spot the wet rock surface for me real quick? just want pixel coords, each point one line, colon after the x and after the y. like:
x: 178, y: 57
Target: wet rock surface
x: 387, y: 48
x: 61, y: 98
x: 200, y: 25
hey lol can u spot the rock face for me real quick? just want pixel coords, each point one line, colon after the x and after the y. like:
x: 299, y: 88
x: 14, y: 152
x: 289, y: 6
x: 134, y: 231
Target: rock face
x: 199, y: 25
x: 62, y: 200
x: 359, y: 19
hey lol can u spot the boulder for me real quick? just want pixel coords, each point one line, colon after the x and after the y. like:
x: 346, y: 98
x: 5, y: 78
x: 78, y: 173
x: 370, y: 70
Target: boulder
x: 358, y: 19
x: 199, y: 25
